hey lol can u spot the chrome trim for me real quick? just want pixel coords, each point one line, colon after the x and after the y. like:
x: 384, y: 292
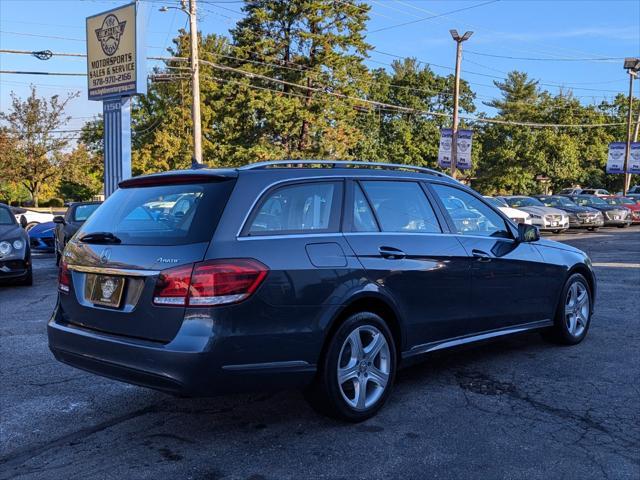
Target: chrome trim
x: 292, y: 364
x: 454, y: 342
x: 128, y: 272
x: 290, y: 235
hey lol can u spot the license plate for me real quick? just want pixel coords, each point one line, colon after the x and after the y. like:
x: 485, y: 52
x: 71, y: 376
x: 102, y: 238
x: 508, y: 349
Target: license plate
x: 554, y: 224
x: 616, y: 217
x: 107, y: 290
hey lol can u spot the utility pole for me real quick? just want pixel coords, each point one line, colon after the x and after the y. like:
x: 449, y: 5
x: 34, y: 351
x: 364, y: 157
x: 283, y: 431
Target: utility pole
x: 456, y: 98
x: 632, y: 65
x: 196, y: 159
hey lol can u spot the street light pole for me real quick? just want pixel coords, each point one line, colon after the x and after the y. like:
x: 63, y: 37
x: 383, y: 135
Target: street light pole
x: 196, y: 159
x: 632, y: 65
x: 456, y: 98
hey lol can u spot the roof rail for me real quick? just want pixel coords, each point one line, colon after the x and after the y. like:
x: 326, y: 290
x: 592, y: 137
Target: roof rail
x: 341, y: 164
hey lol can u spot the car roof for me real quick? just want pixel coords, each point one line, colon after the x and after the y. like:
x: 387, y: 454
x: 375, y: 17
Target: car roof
x: 291, y: 169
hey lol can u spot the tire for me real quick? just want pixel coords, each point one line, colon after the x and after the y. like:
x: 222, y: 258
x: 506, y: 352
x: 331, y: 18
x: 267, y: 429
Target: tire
x: 626, y: 225
x: 571, y: 324
x: 27, y: 281
x: 342, y: 355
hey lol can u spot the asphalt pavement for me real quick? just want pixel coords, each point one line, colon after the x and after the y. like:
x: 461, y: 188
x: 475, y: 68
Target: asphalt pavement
x: 516, y: 408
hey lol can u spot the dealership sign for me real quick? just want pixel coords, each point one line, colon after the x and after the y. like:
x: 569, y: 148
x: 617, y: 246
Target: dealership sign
x: 115, y: 54
x: 463, y: 148
x: 615, y: 161
x: 634, y: 158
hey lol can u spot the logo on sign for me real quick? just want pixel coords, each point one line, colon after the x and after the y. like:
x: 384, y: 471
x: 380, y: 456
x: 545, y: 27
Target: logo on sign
x: 109, y: 34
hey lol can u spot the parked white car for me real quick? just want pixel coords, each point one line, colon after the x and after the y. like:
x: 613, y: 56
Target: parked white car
x: 517, y: 216
x: 543, y: 217
x: 30, y: 218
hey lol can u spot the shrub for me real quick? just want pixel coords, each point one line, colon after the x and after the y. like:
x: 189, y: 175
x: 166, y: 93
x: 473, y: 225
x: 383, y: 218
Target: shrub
x: 54, y: 202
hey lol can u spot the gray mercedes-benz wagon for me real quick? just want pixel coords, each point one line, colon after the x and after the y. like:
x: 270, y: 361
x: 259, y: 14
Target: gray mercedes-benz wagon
x: 319, y: 274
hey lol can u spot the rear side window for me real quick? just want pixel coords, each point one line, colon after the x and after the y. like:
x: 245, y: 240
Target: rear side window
x: 401, y: 207
x: 83, y: 212
x: 300, y: 208
x: 162, y: 214
x: 363, y: 219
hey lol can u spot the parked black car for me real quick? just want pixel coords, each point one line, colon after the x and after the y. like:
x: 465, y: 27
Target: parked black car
x: 15, y: 254
x: 579, y: 216
x: 323, y: 275
x: 67, y: 225
x: 614, y: 215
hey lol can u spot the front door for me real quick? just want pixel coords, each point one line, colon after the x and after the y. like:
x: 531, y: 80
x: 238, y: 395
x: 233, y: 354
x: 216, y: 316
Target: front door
x: 507, y: 275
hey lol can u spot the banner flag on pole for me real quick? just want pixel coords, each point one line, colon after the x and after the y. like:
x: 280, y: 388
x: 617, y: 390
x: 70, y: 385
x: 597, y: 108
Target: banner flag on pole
x: 444, y: 152
x: 463, y: 149
x: 615, y: 161
x: 634, y: 158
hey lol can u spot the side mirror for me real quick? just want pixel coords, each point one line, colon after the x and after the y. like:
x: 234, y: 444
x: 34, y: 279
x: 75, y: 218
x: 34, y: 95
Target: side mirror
x: 59, y: 219
x: 528, y: 233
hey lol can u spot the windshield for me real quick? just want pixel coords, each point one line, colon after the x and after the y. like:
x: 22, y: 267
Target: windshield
x: 84, y: 211
x: 495, y: 202
x: 516, y: 202
x: 559, y: 202
x: 6, y: 218
x: 620, y: 201
x: 160, y: 215
x: 590, y: 201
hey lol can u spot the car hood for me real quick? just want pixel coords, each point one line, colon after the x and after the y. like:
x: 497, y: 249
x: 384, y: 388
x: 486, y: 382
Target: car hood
x: 578, y: 209
x: 10, y: 232
x: 43, y: 230
x: 543, y: 242
x: 542, y: 210
x: 607, y: 208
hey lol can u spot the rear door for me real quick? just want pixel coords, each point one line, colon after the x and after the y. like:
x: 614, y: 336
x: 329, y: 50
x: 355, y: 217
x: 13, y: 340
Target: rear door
x: 116, y: 258
x: 406, y: 249
x: 508, y: 282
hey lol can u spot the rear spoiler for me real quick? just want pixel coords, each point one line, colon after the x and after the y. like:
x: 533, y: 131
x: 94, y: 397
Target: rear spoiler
x: 179, y: 178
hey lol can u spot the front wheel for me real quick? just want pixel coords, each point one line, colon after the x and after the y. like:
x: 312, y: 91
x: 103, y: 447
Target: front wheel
x: 573, y: 315
x: 356, y: 374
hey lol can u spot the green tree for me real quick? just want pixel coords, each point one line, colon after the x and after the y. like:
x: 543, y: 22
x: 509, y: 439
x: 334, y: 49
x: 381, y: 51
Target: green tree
x: 36, y: 157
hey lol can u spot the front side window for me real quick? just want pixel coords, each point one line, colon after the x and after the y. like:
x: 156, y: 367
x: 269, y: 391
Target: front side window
x: 470, y: 215
x: 300, y: 208
x: 401, y: 207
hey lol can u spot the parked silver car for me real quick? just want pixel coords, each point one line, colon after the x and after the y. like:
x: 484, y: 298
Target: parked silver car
x: 545, y: 218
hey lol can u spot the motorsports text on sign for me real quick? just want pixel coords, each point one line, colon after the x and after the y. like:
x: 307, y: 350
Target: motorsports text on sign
x: 113, y: 62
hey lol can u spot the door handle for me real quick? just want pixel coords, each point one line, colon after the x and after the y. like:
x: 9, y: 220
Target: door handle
x: 391, y: 253
x: 481, y: 256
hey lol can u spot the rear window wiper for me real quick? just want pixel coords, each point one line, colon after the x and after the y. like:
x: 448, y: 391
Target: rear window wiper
x: 100, y: 237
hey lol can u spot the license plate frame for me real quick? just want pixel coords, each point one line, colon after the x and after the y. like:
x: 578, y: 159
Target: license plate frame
x: 107, y: 290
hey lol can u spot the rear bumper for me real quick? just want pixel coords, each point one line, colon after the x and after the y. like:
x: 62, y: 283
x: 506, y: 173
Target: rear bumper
x: 189, y: 365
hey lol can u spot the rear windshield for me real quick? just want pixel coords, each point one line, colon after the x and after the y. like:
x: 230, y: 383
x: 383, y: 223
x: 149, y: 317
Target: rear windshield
x: 161, y: 215
x: 84, y: 211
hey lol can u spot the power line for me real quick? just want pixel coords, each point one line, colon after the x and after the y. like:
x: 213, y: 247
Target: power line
x: 432, y: 16
x: 583, y: 59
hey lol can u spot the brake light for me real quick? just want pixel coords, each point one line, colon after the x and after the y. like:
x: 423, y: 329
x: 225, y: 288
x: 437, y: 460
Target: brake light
x: 64, y: 278
x: 172, y: 287
x: 209, y: 283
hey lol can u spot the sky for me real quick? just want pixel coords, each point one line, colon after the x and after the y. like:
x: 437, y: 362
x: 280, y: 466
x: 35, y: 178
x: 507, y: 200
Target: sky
x: 565, y: 44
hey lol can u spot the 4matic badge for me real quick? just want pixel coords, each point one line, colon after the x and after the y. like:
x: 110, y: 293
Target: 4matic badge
x: 109, y: 34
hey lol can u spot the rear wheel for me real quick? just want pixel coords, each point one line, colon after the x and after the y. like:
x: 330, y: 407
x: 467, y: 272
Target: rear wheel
x: 356, y: 375
x: 573, y: 315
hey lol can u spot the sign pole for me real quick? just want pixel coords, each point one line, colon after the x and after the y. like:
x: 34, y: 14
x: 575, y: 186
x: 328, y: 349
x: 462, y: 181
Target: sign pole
x: 117, y: 142
x: 627, y: 175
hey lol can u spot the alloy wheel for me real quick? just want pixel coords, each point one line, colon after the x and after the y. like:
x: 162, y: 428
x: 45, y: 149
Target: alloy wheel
x: 364, y: 367
x: 576, y: 309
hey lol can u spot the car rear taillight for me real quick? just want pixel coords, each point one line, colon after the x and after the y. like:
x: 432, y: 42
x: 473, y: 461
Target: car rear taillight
x: 64, y: 278
x: 209, y: 283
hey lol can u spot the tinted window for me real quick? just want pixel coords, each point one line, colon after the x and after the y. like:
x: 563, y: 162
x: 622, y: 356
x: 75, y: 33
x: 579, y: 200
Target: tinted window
x: 363, y: 219
x: 401, y: 207
x: 161, y: 215
x: 6, y: 218
x: 83, y: 212
x: 470, y: 215
x: 308, y: 207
